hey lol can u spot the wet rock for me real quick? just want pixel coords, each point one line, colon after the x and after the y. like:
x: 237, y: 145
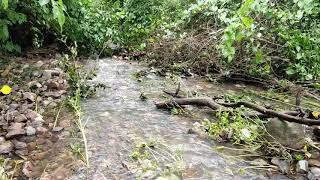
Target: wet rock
x: 314, y: 163
x: 29, y: 96
x: 314, y: 173
x: 27, y: 169
x: 15, y: 129
x: 302, y: 166
x: 20, y: 118
x: 282, y: 165
x: 30, y: 130
x: 6, y: 147
x: 288, y: 134
x: 19, y: 145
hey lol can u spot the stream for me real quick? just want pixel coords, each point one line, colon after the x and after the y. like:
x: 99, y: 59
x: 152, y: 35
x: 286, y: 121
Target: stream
x: 117, y: 120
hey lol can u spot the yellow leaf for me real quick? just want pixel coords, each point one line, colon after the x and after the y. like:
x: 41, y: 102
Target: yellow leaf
x: 316, y: 114
x: 6, y: 89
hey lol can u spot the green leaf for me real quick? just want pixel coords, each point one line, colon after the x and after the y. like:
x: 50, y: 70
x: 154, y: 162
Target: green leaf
x: 247, y: 21
x: 259, y: 56
x: 43, y: 2
x: 5, y: 4
x: 58, y: 13
x: 4, y: 32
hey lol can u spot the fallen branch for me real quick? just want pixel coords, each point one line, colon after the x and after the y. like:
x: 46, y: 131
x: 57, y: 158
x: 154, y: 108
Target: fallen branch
x: 189, y: 101
x: 286, y: 116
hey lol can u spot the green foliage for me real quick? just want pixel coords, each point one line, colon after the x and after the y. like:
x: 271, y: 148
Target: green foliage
x: 235, y: 125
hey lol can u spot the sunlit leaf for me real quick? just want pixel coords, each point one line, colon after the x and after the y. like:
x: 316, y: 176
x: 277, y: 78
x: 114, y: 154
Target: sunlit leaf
x: 5, y: 4
x: 43, y: 2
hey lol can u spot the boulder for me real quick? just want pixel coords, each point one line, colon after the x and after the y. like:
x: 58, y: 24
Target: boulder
x: 288, y: 134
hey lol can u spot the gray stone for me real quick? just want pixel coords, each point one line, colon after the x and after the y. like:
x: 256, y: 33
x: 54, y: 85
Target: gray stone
x: 288, y: 134
x: 282, y: 165
x: 30, y: 130
x: 15, y: 129
x: 314, y: 173
x: 48, y: 74
x: 20, y: 118
x: 302, y: 166
x: 13, y: 106
x: 57, y: 129
x: 6, y: 147
x: 29, y: 96
x: 34, y: 84
x: 19, y: 145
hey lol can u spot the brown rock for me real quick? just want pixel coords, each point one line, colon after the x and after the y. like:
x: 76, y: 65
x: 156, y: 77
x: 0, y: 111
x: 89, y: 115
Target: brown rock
x: 20, y: 118
x: 314, y: 163
x: 39, y: 156
x: 15, y: 129
x: 32, y: 115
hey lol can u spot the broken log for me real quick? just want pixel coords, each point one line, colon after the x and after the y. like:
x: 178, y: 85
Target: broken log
x: 290, y: 117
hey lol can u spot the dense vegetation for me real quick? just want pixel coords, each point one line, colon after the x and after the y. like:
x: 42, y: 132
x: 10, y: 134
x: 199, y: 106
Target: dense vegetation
x: 260, y: 38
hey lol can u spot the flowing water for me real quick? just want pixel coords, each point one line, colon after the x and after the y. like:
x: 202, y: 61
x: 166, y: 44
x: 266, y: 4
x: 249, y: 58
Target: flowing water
x: 117, y: 120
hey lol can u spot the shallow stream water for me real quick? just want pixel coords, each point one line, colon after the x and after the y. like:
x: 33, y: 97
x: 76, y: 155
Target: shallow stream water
x: 117, y: 120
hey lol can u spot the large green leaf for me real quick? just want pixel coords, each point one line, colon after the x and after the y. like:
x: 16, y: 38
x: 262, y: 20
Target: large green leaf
x: 58, y: 13
x: 5, y: 4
